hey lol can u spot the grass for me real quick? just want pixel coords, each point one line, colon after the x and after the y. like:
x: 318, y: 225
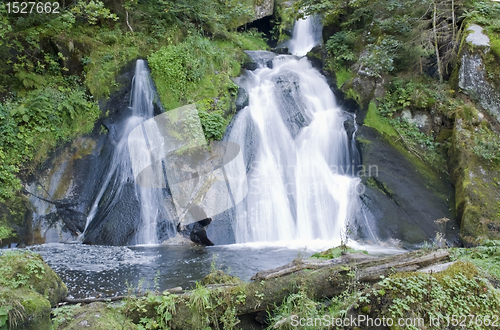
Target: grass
x: 374, y: 120
x: 342, y: 76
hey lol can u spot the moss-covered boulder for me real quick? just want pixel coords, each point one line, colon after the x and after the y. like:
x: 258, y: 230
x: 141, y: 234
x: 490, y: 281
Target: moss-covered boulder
x: 98, y: 316
x: 27, y: 270
x: 27, y: 309
x: 477, y: 182
x: 404, y: 196
x: 479, y: 69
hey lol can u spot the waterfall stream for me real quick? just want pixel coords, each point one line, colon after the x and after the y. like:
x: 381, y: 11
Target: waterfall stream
x: 296, y: 151
x: 151, y: 201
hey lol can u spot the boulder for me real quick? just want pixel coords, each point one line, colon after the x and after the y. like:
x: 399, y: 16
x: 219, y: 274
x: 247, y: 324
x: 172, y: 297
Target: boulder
x: 27, y: 270
x: 403, y: 196
x: 97, y: 315
x: 28, y: 310
x: 477, y: 183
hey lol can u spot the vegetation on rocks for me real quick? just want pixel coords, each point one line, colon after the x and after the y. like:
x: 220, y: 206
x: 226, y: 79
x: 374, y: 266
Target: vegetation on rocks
x: 28, y: 288
x: 54, y: 68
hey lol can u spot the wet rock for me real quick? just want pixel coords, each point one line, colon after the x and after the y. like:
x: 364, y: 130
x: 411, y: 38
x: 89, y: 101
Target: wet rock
x: 241, y: 99
x: 197, y: 232
x: 403, y: 196
x: 291, y: 105
x: 281, y: 50
x: 315, y: 56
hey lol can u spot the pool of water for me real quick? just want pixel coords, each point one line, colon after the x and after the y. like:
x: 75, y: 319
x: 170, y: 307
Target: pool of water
x: 90, y: 270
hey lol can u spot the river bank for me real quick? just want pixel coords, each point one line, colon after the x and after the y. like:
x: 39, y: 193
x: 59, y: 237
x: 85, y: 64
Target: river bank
x: 336, y: 283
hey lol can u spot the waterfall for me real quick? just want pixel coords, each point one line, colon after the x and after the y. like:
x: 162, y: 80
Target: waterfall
x: 119, y: 172
x: 296, y: 150
x: 306, y: 35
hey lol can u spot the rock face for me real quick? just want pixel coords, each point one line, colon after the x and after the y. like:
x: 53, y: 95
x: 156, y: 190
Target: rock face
x: 263, y: 8
x: 477, y: 187
x: 404, y: 198
x: 473, y: 81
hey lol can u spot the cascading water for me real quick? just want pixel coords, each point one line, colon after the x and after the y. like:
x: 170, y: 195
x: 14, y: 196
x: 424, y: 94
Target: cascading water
x: 306, y: 35
x: 296, y: 151
x: 151, y: 201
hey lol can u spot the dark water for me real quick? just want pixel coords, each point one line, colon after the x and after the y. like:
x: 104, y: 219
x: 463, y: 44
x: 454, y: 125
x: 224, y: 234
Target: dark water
x: 92, y: 270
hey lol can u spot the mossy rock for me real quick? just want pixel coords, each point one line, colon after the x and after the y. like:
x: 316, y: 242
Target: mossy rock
x: 29, y: 310
x: 336, y: 252
x: 219, y: 277
x: 476, y: 184
x: 97, y: 316
x: 25, y: 269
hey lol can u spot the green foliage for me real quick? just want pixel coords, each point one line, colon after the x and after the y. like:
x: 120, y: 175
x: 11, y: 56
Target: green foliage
x: 423, y: 145
x: 164, y: 308
x: 457, y: 291
x: 485, y: 256
x: 297, y: 305
x: 341, y: 49
x: 380, y: 57
x: 342, y: 75
x: 487, y: 144
x: 336, y: 252
x: 63, y: 314
x: 92, y: 11
x: 32, y: 124
x: 6, y: 232
x: 4, y: 316
x: 20, y: 268
x: 283, y: 20
x: 214, y: 125
x: 201, y: 305
x: 200, y: 70
x: 374, y: 120
x: 413, y: 95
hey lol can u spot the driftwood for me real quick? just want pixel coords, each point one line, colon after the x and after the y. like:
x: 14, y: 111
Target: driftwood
x: 68, y: 300
x: 318, y: 278
x: 91, y: 300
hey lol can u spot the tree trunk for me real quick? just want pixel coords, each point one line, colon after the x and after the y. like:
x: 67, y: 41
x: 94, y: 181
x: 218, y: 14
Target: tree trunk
x: 434, y: 29
x: 318, y: 278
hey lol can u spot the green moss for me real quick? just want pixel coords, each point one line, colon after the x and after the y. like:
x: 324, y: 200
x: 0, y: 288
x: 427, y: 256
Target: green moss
x: 342, y: 75
x: 336, y: 252
x: 96, y: 315
x: 472, y: 176
x: 218, y: 277
x: 374, y: 120
x: 6, y: 231
x: 25, y: 269
x: 28, y: 310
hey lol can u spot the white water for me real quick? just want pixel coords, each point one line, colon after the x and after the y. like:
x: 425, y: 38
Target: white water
x: 304, y: 37
x: 296, y: 187
x: 151, y: 201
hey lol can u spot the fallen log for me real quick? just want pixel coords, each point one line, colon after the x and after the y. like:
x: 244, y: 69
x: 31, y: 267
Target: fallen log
x: 318, y: 278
